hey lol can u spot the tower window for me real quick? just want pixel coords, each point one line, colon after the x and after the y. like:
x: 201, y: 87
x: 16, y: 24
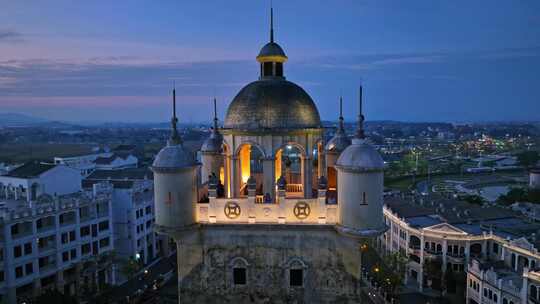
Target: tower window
x: 267, y: 67
x: 296, y: 277
x: 364, y: 201
x: 239, y: 276
x: 279, y: 69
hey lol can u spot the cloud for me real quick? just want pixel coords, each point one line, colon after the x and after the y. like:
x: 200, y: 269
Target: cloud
x: 10, y: 36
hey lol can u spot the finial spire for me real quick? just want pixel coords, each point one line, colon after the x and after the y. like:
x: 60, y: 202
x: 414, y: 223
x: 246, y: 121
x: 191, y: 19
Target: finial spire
x: 271, y: 22
x: 360, y: 130
x: 341, y: 128
x: 175, y: 137
x: 215, y: 115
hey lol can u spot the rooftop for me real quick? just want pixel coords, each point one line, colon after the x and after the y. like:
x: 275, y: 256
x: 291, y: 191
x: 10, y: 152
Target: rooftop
x: 30, y: 170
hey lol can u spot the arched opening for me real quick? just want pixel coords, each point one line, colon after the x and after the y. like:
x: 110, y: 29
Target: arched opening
x: 239, y: 271
x: 476, y: 250
x: 522, y: 262
x: 513, y: 260
x: 251, y: 164
x: 414, y: 242
x: 533, y: 293
x: 290, y: 164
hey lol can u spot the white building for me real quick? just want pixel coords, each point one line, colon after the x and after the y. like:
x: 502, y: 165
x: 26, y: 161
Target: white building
x: 84, y: 163
x: 133, y: 213
x: 494, y: 246
x: 99, y: 160
x: 54, y: 235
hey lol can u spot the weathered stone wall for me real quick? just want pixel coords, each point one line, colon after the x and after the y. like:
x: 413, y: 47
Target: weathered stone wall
x: 330, y: 263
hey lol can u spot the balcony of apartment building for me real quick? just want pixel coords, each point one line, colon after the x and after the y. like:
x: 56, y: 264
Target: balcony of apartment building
x: 47, y: 264
x: 67, y: 218
x: 46, y: 244
x: 414, y: 244
x: 102, y: 209
x: 476, y: 250
x: 455, y: 253
x: 45, y: 224
x: 22, y: 229
x: 87, y: 213
x: 432, y: 249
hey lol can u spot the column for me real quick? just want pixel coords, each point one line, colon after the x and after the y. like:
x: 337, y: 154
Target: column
x: 321, y: 162
x: 60, y: 280
x: 307, y: 169
x: 269, y: 176
x: 235, y: 185
x: 421, y: 272
x: 226, y: 159
x: 444, y: 252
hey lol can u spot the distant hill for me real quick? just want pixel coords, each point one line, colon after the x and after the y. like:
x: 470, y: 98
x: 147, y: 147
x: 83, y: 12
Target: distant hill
x: 17, y: 119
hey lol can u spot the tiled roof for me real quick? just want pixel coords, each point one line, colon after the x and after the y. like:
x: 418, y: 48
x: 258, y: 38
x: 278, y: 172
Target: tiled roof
x: 30, y: 169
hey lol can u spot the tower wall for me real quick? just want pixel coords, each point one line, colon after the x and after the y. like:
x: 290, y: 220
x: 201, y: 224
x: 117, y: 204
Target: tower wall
x: 175, y: 197
x: 211, y: 162
x: 352, y: 213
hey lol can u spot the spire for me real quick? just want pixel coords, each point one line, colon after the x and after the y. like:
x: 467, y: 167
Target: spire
x: 175, y: 137
x: 215, y: 116
x: 341, y: 128
x: 271, y: 22
x: 360, y: 130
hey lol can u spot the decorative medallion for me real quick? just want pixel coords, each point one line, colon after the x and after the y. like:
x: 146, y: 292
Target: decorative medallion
x: 232, y: 210
x: 301, y: 210
x: 267, y: 212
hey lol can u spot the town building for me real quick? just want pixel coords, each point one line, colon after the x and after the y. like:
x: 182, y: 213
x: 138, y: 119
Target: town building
x: 133, y: 213
x: 121, y: 157
x: 54, y: 234
x: 495, y: 247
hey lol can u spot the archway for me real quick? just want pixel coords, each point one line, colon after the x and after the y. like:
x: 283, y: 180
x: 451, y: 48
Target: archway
x: 290, y: 164
x: 251, y: 164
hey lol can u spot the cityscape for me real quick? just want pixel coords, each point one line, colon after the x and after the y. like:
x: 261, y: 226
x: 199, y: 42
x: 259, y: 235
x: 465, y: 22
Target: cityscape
x: 289, y: 183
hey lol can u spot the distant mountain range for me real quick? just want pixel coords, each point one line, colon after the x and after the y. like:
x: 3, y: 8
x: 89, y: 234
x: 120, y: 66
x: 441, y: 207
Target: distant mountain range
x: 23, y: 120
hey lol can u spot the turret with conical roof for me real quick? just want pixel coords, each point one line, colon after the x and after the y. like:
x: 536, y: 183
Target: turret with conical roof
x: 360, y: 188
x: 211, y: 152
x: 175, y: 181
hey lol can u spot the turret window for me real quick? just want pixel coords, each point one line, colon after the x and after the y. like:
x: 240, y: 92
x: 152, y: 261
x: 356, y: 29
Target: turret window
x: 364, y: 200
x: 279, y: 69
x: 267, y: 69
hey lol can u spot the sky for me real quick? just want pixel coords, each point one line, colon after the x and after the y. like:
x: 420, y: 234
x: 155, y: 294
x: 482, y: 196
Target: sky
x: 446, y: 60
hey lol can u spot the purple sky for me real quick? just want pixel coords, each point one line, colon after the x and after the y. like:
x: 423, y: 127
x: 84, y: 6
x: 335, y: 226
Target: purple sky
x: 419, y: 60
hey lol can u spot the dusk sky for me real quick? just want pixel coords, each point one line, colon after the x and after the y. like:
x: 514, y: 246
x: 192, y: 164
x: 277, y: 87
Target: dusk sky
x: 418, y: 60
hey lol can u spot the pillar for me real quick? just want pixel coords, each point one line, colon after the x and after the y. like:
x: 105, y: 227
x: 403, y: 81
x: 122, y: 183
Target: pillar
x: 444, y: 253
x: 235, y: 177
x: 307, y: 169
x: 421, y: 272
x: 269, y: 176
x: 226, y: 168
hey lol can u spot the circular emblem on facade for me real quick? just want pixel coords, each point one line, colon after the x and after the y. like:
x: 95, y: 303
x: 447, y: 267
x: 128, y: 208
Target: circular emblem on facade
x: 232, y: 210
x: 267, y: 212
x: 301, y: 210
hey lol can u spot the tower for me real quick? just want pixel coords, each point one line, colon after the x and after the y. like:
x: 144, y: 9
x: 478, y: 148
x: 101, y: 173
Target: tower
x: 175, y: 180
x: 360, y: 185
x: 334, y: 147
x: 211, y: 151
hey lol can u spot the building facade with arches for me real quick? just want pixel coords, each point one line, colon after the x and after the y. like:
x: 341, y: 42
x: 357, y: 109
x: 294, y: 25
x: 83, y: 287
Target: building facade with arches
x: 254, y: 222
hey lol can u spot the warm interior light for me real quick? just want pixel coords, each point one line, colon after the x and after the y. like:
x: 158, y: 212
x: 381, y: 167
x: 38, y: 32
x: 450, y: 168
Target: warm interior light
x: 278, y: 164
x: 245, y: 153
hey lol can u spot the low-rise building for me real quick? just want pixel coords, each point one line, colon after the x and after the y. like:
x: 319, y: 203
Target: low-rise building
x: 133, y: 213
x: 453, y: 233
x: 53, y: 234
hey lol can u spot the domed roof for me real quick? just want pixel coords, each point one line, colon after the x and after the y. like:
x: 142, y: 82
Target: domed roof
x: 174, y: 157
x: 271, y: 49
x: 338, y: 143
x: 214, y: 143
x: 272, y: 103
x: 360, y: 156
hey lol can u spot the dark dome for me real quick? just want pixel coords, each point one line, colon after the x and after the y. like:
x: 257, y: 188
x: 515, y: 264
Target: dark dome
x: 272, y: 103
x: 271, y: 49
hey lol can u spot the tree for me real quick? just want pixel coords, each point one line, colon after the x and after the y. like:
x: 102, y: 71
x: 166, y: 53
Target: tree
x: 130, y: 267
x: 528, y: 158
x: 514, y: 195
